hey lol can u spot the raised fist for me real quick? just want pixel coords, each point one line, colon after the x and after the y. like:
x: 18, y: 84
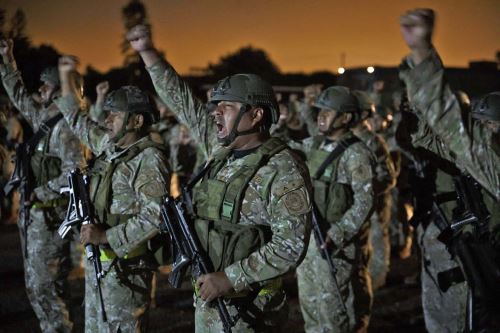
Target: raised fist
x: 67, y: 64
x: 416, y: 27
x: 6, y: 47
x: 140, y: 38
x: 102, y: 88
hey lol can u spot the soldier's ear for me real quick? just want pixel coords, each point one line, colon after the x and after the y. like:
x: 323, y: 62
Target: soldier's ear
x: 138, y: 121
x: 257, y: 115
x: 347, y: 118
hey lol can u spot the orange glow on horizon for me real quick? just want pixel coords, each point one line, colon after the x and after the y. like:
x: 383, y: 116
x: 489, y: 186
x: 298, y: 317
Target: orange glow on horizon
x: 299, y: 36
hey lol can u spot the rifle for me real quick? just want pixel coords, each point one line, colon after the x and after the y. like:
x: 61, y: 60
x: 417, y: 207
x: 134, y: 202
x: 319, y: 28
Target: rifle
x: 80, y: 212
x: 472, y: 249
x: 187, y: 249
x: 325, y: 253
x: 22, y: 178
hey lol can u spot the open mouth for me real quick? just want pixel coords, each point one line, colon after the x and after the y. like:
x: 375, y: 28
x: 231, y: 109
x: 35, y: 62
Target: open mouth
x: 221, y: 129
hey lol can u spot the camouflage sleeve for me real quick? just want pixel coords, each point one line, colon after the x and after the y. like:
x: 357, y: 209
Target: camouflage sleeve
x: 20, y: 97
x: 290, y: 208
x: 180, y: 99
x: 96, y: 113
x: 89, y: 132
x: 70, y: 153
x: 431, y: 96
x: 150, y: 185
x: 359, y: 168
x: 307, y: 114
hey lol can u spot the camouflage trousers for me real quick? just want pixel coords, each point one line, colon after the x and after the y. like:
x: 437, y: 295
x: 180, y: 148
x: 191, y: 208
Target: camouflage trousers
x: 126, y: 290
x: 267, y: 313
x: 319, y: 301
x: 380, y: 241
x: 443, y: 311
x: 46, y: 268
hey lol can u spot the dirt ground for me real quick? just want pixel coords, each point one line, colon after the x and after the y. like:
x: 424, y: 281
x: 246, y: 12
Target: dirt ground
x: 396, y: 308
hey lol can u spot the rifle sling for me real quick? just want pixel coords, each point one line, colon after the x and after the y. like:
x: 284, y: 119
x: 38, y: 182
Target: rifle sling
x: 342, y: 146
x: 44, y: 129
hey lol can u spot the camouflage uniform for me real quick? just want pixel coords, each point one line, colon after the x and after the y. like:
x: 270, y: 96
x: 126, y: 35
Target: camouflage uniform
x: 442, y: 130
x: 383, y: 182
x: 47, y: 260
x: 137, y: 186
x: 436, y: 105
x: 276, y: 199
x: 349, y: 229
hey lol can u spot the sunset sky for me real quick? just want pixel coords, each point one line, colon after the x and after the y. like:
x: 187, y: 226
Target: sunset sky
x: 298, y: 35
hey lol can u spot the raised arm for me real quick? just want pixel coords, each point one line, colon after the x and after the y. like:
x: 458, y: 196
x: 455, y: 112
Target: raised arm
x: 174, y: 91
x: 92, y: 134
x: 431, y: 97
x: 15, y: 88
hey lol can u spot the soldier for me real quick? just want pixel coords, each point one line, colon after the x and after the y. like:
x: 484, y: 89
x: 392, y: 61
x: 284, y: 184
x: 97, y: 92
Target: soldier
x: 128, y: 180
x: 435, y: 104
x: 443, y: 130
x: 344, y: 198
x: 383, y: 182
x: 253, y: 196
x: 56, y: 151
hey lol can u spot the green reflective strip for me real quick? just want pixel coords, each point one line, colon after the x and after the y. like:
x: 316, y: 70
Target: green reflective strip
x: 51, y: 203
x: 108, y: 254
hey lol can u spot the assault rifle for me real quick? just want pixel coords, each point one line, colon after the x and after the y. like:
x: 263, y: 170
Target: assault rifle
x: 187, y: 249
x: 325, y: 253
x: 22, y: 178
x: 80, y: 212
x: 468, y: 241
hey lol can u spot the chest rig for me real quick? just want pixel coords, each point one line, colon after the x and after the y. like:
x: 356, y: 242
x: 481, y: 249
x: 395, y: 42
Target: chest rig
x: 101, y: 176
x: 44, y: 166
x: 218, y: 203
x: 331, y: 198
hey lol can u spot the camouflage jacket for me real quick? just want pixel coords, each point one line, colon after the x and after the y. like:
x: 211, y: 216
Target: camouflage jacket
x: 355, y: 169
x: 444, y: 131
x: 137, y: 185
x: 385, y: 171
x: 285, y: 209
x: 62, y: 144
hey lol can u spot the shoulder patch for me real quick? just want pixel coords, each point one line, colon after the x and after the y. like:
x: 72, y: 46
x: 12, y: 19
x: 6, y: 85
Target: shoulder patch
x: 296, y: 202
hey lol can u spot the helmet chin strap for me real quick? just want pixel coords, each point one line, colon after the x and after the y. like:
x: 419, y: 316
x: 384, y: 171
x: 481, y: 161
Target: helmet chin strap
x: 227, y: 140
x: 124, y: 129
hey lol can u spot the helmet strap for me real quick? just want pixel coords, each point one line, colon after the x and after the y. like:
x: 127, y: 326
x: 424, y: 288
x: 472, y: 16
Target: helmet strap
x: 226, y: 141
x: 123, y: 130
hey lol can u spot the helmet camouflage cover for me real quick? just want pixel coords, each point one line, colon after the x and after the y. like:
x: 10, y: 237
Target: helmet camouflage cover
x: 249, y: 89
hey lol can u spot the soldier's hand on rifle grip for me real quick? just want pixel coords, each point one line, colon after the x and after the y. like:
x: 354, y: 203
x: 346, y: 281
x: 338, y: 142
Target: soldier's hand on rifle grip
x: 328, y: 244
x: 93, y: 234
x: 214, y: 285
x: 31, y: 200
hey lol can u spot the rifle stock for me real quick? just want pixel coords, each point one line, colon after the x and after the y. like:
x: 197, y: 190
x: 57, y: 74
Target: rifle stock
x: 187, y: 249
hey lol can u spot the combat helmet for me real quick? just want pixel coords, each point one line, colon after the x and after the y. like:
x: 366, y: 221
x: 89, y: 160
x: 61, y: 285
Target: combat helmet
x: 337, y: 98
x: 250, y: 90
x: 487, y: 108
x: 131, y: 100
x: 365, y: 102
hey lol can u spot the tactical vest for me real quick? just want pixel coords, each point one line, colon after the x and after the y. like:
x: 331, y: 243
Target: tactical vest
x: 218, y: 203
x: 101, y: 176
x: 44, y: 166
x: 331, y: 198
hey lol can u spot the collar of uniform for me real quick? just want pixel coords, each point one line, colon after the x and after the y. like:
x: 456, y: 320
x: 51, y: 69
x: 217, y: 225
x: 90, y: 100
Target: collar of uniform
x: 333, y: 143
x: 115, y: 152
